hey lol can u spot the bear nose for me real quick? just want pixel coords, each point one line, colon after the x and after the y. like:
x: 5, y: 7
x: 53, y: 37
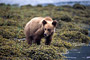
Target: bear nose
x: 45, y: 34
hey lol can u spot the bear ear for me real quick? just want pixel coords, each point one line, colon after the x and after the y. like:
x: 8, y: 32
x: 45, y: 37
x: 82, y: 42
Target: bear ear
x: 44, y: 22
x: 54, y: 23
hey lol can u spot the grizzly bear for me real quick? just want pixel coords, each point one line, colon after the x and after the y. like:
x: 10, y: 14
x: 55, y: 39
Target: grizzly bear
x: 38, y: 28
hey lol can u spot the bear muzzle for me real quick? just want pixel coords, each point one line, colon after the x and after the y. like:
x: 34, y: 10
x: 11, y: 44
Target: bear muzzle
x: 45, y: 35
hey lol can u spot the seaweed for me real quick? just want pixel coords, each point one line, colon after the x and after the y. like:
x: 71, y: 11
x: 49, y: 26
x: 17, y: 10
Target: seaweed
x: 69, y: 30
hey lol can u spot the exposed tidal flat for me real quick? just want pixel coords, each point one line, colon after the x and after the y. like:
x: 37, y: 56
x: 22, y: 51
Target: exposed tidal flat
x: 71, y: 31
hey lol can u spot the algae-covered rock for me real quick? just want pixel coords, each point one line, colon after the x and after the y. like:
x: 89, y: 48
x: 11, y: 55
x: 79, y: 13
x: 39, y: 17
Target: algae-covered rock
x: 78, y: 6
x: 11, y: 32
x: 6, y: 33
x: 2, y: 4
x: 68, y: 31
x: 47, y: 54
x: 50, y: 5
x: 67, y: 6
x: 8, y: 49
x: 39, y: 5
x: 11, y: 49
x: 66, y: 18
x: 75, y: 36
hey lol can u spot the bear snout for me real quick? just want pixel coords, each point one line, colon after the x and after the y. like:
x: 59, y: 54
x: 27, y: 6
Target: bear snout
x: 45, y: 35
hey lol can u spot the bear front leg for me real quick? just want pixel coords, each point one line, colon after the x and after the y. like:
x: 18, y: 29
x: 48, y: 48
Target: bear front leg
x: 37, y: 40
x: 48, y: 40
x: 37, y: 36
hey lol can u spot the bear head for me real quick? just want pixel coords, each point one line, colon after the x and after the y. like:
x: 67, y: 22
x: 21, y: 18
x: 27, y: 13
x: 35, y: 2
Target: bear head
x: 49, y: 27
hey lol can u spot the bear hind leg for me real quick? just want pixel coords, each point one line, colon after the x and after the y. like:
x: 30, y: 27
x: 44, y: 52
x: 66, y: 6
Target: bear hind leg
x: 29, y: 40
x: 37, y: 40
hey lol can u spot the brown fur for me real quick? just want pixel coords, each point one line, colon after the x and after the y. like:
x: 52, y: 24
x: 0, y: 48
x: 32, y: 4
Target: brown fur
x: 48, y: 18
x: 34, y: 30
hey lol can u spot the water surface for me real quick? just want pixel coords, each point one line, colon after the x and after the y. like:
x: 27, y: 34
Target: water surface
x: 81, y: 53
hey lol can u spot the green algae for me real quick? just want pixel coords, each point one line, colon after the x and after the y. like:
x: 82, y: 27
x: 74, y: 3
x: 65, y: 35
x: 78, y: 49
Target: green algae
x: 68, y: 32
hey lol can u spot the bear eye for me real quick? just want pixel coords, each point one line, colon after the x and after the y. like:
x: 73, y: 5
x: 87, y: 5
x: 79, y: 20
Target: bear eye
x: 49, y: 30
x: 45, y: 28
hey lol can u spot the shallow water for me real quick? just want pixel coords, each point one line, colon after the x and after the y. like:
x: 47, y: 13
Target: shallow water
x: 81, y: 53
